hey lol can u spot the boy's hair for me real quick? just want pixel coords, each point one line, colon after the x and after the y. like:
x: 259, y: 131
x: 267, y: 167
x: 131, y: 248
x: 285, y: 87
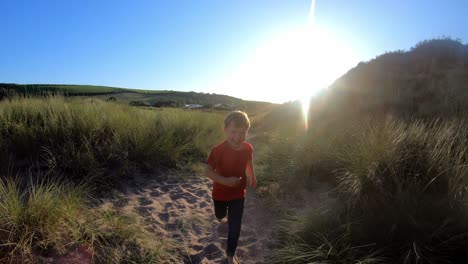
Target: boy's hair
x: 239, y: 118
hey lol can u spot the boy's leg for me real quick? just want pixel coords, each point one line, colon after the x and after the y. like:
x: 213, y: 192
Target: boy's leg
x: 220, y: 209
x: 235, y: 211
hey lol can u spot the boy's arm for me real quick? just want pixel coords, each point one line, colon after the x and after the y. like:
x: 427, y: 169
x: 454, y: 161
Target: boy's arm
x: 251, y: 173
x: 231, y: 181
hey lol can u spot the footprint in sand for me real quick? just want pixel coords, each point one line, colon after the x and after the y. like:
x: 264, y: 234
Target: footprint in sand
x: 144, y: 201
x: 212, y: 251
x: 164, y: 188
x: 194, y: 258
x: 176, y: 196
x: 169, y: 206
x: 196, y: 229
x: 201, y: 193
x: 164, y: 217
x: 173, y: 214
x: 191, y: 199
x: 186, y: 185
x: 155, y: 194
x: 197, y: 247
x: 144, y: 210
x: 176, y: 236
x: 205, y: 240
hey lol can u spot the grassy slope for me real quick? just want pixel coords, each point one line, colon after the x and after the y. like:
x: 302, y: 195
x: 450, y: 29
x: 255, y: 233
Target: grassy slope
x: 73, y: 89
x: 427, y: 81
x: 399, y: 171
x: 125, y: 95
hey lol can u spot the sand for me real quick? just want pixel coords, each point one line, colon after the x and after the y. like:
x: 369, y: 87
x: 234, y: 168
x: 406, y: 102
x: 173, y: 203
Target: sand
x: 181, y: 208
x: 177, y: 206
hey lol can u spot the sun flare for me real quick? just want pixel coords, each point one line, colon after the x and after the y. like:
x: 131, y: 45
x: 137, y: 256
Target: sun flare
x: 294, y: 65
x: 305, y: 103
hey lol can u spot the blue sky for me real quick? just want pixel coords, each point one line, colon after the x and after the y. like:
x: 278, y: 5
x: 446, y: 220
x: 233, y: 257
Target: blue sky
x: 193, y: 45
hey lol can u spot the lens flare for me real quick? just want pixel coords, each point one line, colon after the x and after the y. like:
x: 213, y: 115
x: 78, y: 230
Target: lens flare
x: 305, y: 102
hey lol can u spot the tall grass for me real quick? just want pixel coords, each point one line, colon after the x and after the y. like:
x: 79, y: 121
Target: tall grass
x: 400, y: 189
x: 52, y: 218
x: 82, y: 138
x: 83, y: 141
x: 36, y: 216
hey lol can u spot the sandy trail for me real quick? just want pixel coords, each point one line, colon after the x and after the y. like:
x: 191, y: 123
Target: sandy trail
x: 181, y: 208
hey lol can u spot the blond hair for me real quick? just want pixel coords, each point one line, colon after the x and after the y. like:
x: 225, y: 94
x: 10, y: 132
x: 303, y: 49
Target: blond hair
x: 239, y: 118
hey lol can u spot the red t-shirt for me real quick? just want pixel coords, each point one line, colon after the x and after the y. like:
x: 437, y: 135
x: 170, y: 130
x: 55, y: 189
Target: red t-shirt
x: 228, y: 162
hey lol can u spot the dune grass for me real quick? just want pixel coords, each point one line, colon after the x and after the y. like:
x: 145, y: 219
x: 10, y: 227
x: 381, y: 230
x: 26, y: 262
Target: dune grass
x: 36, y: 216
x: 50, y: 218
x: 400, y: 190
x: 64, y: 151
x: 85, y: 138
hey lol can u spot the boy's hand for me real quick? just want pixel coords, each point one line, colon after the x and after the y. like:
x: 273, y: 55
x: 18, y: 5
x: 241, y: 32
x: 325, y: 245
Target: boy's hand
x: 253, y: 182
x: 232, y: 181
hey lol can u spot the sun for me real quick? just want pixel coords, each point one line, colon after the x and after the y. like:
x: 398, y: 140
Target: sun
x: 293, y: 65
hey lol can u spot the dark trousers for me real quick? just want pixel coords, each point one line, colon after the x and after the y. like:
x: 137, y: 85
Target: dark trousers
x: 235, y: 209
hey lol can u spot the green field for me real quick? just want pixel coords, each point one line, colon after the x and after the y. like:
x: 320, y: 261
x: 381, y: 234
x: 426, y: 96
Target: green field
x: 72, y: 89
x: 135, y: 97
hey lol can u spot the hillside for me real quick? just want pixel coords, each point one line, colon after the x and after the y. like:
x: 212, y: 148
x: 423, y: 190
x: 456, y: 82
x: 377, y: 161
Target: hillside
x: 158, y: 98
x: 430, y: 79
x: 386, y: 151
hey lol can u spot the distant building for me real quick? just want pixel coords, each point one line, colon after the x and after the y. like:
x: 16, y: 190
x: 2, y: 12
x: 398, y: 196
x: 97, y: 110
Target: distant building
x: 192, y: 106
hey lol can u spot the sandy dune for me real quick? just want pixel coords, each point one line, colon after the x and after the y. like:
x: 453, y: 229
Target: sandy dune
x: 181, y: 208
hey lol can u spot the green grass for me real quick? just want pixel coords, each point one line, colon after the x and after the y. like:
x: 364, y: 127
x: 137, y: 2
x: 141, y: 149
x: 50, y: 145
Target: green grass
x: 77, y: 89
x: 82, y: 88
x: 37, y: 215
x: 82, y: 138
x: 399, y: 190
x: 52, y: 216
x: 303, y: 243
x: 63, y: 142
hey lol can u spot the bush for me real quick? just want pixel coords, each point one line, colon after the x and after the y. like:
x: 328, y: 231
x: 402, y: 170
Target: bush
x: 401, y: 187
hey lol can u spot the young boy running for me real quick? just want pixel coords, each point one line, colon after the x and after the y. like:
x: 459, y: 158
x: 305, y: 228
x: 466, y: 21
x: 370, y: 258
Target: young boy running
x: 228, y: 165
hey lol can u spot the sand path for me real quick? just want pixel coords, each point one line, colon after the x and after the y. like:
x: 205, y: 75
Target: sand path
x: 181, y: 208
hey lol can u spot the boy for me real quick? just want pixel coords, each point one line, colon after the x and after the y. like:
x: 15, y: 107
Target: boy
x: 227, y: 166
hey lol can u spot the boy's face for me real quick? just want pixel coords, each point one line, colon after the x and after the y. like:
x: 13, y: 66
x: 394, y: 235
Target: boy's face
x: 235, y: 135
